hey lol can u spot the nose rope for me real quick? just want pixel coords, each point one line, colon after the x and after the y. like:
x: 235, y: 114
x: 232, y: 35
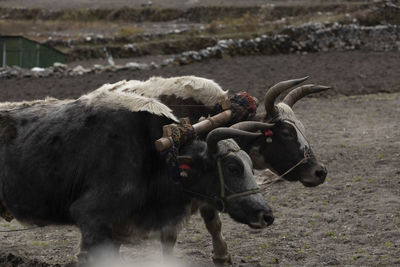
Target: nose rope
x: 306, y: 157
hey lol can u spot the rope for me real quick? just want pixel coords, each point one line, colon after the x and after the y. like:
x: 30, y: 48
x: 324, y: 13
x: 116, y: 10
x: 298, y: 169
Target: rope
x: 303, y: 160
x: 280, y: 177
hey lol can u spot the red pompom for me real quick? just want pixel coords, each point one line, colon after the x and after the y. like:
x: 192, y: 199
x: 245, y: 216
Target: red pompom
x: 184, y: 166
x: 269, y: 133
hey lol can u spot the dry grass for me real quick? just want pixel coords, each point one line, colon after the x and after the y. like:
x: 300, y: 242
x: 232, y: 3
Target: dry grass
x: 128, y: 31
x: 246, y: 23
x: 37, y: 29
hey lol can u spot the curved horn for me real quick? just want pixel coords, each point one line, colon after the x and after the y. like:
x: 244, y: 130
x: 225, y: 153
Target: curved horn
x: 275, y: 91
x: 296, y: 94
x: 252, y: 126
x: 222, y: 133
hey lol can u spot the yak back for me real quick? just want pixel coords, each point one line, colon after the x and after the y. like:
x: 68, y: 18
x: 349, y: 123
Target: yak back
x: 187, y: 96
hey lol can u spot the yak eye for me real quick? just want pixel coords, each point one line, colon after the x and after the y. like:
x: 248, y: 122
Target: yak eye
x: 234, y: 169
x: 287, y: 135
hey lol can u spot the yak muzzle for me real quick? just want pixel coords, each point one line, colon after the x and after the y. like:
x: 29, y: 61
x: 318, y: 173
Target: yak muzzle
x: 264, y: 219
x: 318, y: 176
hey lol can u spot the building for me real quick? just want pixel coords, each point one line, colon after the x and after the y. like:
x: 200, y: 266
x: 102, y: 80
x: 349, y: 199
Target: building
x: 25, y: 53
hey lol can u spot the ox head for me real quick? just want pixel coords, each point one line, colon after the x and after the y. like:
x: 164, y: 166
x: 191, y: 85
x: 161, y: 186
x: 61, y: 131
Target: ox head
x: 284, y: 147
x: 221, y: 174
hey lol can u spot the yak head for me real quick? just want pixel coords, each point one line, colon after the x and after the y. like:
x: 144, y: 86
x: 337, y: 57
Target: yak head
x: 284, y: 147
x: 219, y: 173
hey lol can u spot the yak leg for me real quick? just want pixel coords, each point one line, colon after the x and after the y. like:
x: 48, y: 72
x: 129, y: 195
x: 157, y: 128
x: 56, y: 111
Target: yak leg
x: 82, y: 256
x: 96, y: 229
x: 96, y: 245
x: 169, y: 235
x: 213, y: 223
x: 125, y: 232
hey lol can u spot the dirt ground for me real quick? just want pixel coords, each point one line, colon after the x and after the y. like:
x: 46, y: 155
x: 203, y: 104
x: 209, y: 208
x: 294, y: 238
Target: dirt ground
x: 55, y: 5
x: 352, y: 219
x: 349, y: 73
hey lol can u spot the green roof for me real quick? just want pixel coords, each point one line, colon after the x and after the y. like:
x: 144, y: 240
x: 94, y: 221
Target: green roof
x: 23, y: 52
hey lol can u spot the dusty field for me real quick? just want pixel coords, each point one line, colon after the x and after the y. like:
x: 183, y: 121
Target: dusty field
x: 54, y: 5
x: 352, y: 219
x: 349, y: 73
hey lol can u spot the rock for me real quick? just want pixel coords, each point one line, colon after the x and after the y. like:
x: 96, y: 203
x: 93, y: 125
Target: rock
x: 148, y: 4
x: 59, y: 67
x: 133, y: 65
x: 130, y: 47
x: 79, y: 70
x: 120, y: 67
x: 98, y: 68
x: 27, y: 74
x: 37, y: 69
x: 153, y: 65
x: 168, y: 61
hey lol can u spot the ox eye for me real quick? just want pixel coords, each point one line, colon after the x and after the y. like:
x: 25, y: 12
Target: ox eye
x: 234, y: 169
x: 287, y: 135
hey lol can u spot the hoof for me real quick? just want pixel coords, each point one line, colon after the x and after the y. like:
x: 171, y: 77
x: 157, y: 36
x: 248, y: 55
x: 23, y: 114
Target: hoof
x: 222, y: 260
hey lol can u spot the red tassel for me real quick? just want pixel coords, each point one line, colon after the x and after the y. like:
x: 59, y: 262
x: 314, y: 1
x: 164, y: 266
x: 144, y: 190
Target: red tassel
x: 184, y: 166
x: 269, y: 133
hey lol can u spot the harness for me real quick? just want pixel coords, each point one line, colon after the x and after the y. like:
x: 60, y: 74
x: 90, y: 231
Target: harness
x: 223, y: 198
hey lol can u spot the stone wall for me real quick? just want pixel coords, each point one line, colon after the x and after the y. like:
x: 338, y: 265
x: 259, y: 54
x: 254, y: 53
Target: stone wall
x: 308, y: 38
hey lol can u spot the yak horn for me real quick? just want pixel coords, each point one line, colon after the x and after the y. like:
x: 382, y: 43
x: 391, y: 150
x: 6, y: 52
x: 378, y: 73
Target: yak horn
x: 275, y: 91
x: 302, y: 91
x: 222, y: 133
x: 252, y: 126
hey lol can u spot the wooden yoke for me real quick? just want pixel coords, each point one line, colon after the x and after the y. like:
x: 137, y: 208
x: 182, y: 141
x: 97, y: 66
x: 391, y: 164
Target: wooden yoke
x: 204, y: 126
x: 164, y: 142
x: 213, y: 122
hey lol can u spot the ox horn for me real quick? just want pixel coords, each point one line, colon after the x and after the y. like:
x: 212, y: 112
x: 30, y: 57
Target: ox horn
x: 275, y: 91
x: 222, y: 133
x: 302, y: 91
x: 252, y: 126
